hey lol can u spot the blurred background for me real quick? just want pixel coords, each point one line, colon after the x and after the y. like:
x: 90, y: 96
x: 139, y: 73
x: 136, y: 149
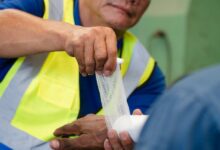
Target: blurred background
x: 182, y: 35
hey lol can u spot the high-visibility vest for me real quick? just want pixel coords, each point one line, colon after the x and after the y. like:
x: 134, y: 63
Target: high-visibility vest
x: 41, y: 92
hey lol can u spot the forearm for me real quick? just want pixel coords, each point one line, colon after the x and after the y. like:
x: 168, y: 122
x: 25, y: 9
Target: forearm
x: 22, y: 34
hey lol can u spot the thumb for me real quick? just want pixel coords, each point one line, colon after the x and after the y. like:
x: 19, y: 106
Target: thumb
x: 62, y: 144
x: 137, y: 112
x: 55, y: 145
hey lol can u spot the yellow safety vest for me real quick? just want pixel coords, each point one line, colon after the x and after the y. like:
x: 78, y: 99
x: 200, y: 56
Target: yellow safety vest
x: 41, y: 92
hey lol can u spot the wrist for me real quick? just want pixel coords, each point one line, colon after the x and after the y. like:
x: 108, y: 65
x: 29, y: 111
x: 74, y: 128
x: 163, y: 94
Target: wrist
x: 57, y: 32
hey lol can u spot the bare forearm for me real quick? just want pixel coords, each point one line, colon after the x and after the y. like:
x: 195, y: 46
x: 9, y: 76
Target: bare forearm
x: 23, y: 34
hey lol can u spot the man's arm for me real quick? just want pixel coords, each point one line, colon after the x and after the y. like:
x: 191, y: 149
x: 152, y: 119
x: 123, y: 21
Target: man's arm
x: 23, y: 34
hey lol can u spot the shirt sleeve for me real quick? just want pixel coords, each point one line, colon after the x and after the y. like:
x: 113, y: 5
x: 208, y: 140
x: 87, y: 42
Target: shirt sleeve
x: 34, y: 7
x: 144, y: 96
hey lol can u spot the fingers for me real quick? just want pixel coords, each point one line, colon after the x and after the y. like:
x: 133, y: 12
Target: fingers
x: 60, y: 144
x: 100, y: 54
x: 111, y: 43
x: 107, y: 145
x: 64, y: 144
x: 68, y: 130
x: 95, y: 49
x: 78, y: 52
x: 84, y: 141
x: 126, y: 141
x: 137, y: 112
x: 89, y: 57
x: 114, y: 140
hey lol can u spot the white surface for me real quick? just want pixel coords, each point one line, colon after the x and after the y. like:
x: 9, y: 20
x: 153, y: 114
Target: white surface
x: 133, y: 124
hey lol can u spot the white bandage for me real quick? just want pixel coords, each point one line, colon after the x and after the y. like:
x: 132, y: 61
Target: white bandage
x: 115, y: 106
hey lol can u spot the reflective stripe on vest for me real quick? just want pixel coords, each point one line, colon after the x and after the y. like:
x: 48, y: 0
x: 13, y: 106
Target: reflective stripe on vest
x: 9, y: 102
x: 14, y: 86
x: 138, y: 64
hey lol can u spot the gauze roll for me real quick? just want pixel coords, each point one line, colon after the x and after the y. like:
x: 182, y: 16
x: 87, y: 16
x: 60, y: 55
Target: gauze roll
x: 133, y: 124
x: 115, y: 106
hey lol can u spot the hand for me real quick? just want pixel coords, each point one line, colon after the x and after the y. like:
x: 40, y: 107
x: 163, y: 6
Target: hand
x: 92, y: 132
x: 95, y: 49
x: 121, y: 142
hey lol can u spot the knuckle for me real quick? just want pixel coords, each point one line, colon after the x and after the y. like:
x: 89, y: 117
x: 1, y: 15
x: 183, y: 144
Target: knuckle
x: 101, y: 57
x: 90, y: 63
x: 86, y: 37
x: 110, y: 68
x: 109, y: 30
x: 77, y: 42
x: 77, y: 126
x: 95, y: 30
x: 112, y: 53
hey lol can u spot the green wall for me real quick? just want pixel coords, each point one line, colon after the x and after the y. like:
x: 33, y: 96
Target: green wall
x: 181, y: 34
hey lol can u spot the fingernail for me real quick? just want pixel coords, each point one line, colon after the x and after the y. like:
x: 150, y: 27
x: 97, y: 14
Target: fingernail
x: 90, y: 74
x: 111, y: 134
x: 99, y: 72
x: 54, y: 144
x: 107, y: 144
x: 107, y: 73
x: 123, y: 136
x: 83, y: 74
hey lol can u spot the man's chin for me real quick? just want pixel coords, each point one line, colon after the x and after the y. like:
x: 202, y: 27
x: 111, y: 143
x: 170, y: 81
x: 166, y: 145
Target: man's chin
x: 119, y: 25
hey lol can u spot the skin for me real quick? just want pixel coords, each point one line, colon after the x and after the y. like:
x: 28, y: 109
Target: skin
x: 92, y: 134
x: 120, y: 15
x: 120, y: 141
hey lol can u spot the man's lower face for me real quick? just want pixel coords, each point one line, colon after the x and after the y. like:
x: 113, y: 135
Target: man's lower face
x: 122, y: 13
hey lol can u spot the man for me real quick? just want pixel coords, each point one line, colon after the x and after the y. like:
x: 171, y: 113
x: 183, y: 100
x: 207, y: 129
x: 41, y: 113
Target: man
x: 51, y: 93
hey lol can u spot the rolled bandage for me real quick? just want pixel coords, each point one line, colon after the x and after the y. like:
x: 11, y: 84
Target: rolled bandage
x: 115, y: 106
x: 133, y: 124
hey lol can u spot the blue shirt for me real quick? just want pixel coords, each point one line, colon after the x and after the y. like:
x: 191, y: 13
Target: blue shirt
x: 4, y: 147
x: 187, y: 116
x: 90, y: 101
